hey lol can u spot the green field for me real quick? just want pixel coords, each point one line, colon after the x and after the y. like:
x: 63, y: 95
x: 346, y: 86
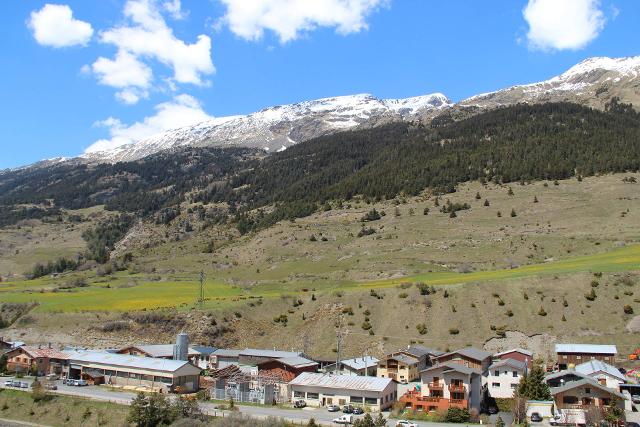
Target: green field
x: 181, y: 294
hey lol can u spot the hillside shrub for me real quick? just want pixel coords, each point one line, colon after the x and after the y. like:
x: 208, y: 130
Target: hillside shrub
x: 628, y: 309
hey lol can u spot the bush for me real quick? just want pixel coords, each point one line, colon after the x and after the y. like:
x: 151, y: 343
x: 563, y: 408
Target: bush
x: 457, y: 415
x: 372, y: 215
x: 422, y: 328
x: 454, y: 331
x: 541, y: 312
x: 628, y: 309
x: 591, y: 296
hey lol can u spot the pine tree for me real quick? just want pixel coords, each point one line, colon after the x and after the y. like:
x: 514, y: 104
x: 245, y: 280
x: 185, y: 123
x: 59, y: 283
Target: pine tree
x: 478, y: 197
x: 513, y: 213
x: 486, y: 202
x: 533, y: 386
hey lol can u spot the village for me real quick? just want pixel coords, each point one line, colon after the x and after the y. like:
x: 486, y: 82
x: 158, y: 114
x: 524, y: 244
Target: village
x: 412, y: 385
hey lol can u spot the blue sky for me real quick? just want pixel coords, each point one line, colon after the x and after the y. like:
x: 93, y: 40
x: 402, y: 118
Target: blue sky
x: 165, y: 63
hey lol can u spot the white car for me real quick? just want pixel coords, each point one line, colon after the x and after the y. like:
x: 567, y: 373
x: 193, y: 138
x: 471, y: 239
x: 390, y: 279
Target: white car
x: 406, y: 423
x: 345, y: 419
x: 8, y: 383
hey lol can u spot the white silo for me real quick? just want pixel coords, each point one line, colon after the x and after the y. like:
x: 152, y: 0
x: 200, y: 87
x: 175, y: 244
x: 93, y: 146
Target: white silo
x: 181, y: 348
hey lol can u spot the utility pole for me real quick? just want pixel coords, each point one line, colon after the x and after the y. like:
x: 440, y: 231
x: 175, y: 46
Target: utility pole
x: 201, y: 298
x: 341, y: 332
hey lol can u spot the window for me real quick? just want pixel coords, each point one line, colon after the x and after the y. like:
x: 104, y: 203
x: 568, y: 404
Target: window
x: 579, y: 357
x: 371, y: 400
x: 587, y: 390
x: 299, y: 394
x: 515, y: 374
x: 496, y: 373
x: 514, y: 386
x: 495, y: 385
x: 356, y: 399
x: 312, y: 395
x: 166, y: 380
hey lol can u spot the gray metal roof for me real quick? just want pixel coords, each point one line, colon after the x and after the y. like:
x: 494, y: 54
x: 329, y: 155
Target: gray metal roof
x: 275, y: 354
x: 595, y: 366
x: 470, y: 352
x: 403, y: 358
x: 125, y: 360
x: 452, y: 366
x: 203, y: 349
x: 586, y: 348
x: 226, y: 352
x: 341, y: 382
x: 359, y: 363
x: 585, y: 382
x: 419, y: 350
x: 511, y: 363
x: 565, y: 373
x: 297, y: 361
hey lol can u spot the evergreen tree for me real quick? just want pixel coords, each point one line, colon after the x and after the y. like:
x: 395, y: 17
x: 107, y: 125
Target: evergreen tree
x: 532, y: 385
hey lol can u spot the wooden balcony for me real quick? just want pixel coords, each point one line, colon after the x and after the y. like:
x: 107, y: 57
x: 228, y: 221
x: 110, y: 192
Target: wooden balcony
x: 436, y: 386
x: 456, y: 388
x: 415, y: 401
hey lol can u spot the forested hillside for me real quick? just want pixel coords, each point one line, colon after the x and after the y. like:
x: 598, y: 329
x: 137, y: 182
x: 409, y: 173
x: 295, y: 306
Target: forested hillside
x: 522, y: 142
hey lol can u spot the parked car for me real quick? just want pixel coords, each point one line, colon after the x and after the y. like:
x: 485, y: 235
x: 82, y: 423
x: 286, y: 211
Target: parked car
x: 406, y: 423
x: 299, y: 404
x: 347, y: 409
x: 15, y: 383
x: 536, y: 417
x: 358, y: 411
x: 635, y: 398
x: 80, y: 383
x: 24, y: 385
x: 493, y: 410
x: 333, y: 408
x: 52, y: 377
x: 50, y: 386
x: 8, y: 383
x: 344, y: 419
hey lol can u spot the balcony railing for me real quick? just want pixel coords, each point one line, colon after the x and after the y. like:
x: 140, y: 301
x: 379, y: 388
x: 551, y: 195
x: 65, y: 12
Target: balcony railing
x: 436, y: 386
x: 456, y: 388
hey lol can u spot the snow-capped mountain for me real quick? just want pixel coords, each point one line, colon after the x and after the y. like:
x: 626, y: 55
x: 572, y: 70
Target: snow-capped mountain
x: 279, y: 127
x: 592, y: 82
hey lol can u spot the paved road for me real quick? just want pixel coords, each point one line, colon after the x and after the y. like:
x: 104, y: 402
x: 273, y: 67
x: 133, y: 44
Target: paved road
x: 296, y: 416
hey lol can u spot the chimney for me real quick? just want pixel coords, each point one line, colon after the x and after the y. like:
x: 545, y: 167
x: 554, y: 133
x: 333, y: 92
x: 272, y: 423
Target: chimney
x: 49, y: 345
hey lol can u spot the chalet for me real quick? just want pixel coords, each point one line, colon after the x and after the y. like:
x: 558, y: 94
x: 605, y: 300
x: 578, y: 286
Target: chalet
x: 585, y: 394
x: 362, y: 366
x: 448, y: 384
x: 574, y: 354
x: 504, y: 376
x: 470, y: 357
x: 41, y: 361
x: 372, y: 393
x: 405, y: 365
x: 222, y: 357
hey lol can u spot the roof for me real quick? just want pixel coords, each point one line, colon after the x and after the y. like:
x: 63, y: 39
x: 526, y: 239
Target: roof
x: 594, y: 366
x: 274, y: 354
x: 403, y: 358
x: 155, y: 350
x: 419, y: 350
x: 297, y: 361
x: 358, y: 363
x: 203, y: 349
x: 470, y: 352
x: 342, y: 382
x: 43, y: 352
x: 125, y: 360
x: 226, y: 352
x: 515, y: 350
x: 511, y: 363
x: 565, y: 373
x: 586, y: 348
x: 452, y: 366
x: 585, y: 382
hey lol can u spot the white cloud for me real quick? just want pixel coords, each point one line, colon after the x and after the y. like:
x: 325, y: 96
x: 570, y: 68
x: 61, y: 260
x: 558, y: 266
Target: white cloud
x: 288, y: 18
x: 54, y: 26
x: 182, y: 110
x: 563, y: 24
x: 174, y: 7
x: 125, y: 70
x: 148, y: 36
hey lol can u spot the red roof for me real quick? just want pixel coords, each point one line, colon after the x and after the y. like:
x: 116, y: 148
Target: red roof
x: 44, y: 352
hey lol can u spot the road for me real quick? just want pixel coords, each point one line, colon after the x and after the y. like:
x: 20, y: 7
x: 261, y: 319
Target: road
x: 296, y: 416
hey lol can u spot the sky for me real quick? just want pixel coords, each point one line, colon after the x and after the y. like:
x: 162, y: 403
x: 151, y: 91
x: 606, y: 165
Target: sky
x: 83, y: 75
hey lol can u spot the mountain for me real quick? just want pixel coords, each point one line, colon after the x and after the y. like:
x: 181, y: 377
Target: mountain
x: 592, y: 82
x: 279, y: 127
